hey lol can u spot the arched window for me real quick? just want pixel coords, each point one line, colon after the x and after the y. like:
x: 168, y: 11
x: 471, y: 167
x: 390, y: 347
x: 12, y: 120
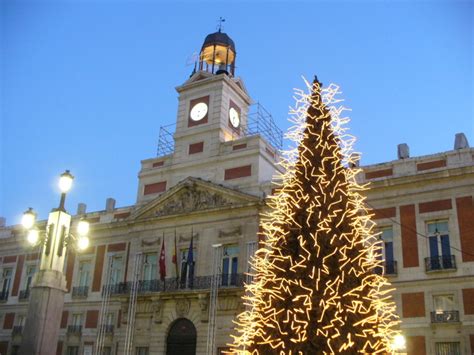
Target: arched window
x: 181, y: 338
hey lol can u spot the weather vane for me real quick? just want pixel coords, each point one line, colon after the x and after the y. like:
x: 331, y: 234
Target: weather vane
x: 219, y: 26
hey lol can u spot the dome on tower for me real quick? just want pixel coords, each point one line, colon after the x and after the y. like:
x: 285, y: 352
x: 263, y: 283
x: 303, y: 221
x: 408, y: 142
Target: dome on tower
x: 218, y: 54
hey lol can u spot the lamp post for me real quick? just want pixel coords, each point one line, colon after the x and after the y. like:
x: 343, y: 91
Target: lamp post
x: 49, y: 285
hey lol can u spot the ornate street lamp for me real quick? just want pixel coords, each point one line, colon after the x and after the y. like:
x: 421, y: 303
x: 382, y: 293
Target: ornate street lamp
x: 48, y: 288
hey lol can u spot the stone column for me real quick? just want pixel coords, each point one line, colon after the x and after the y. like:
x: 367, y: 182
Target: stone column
x: 40, y: 336
x: 45, y: 308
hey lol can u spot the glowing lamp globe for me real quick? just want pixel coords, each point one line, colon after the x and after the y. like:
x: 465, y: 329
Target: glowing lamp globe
x: 65, y: 181
x: 28, y: 219
x: 83, y: 243
x: 399, y: 342
x: 33, y: 237
x: 83, y: 228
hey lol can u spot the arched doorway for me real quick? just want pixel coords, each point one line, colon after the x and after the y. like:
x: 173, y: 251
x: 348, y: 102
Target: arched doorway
x: 181, y: 338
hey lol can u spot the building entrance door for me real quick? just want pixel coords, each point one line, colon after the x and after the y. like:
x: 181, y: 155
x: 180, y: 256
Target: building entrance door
x: 181, y: 338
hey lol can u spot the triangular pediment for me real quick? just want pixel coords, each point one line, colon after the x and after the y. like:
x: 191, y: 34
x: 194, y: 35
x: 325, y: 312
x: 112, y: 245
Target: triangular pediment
x: 241, y: 85
x: 194, y: 195
x: 200, y: 75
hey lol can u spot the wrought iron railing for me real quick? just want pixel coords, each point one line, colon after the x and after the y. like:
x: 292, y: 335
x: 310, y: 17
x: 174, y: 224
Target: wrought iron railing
x: 4, y: 296
x: 17, y: 329
x: 24, y: 295
x: 74, y: 329
x: 389, y: 268
x: 444, y: 262
x: 176, y: 284
x: 445, y: 317
x: 80, y: 291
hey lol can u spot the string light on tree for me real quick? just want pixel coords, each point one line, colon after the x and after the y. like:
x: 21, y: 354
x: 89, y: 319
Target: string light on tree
x: 315, y: 289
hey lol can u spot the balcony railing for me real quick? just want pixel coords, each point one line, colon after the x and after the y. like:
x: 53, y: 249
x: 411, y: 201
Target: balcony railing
x: 4, y: 296
x: 17, y: 329
x: 74, y: 329
x: 389, y: 268
x: 24, y: 295
x: 80, y: 291
x: 175, y: 284
x: 444, y: 262
x: 445, y: 317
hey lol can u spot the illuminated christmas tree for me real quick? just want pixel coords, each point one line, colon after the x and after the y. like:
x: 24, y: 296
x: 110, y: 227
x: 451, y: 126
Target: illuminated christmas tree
x: 315, y: 288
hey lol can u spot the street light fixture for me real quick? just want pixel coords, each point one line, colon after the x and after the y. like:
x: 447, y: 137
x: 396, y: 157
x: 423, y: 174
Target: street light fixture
x: 49, y: 285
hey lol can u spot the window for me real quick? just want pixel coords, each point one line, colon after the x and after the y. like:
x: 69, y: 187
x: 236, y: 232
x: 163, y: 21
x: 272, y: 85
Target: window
x: 141, y: 350
x: 150, y: 266
x: 84, y: 273
x: 116, y: 275
x: 230, y: 261
x: 387, y: 239
x: 109, y: 319
x: 187, y: 268
x: 15, y: 350
x: 77, y: 319
x: 251, y: 250
x: 30, y: 272
x: 439, y: 246
x: 444, y: 309
x: 6, y: 283
x: 20, y: 320
x: 450, y: 348
x: 106, y: 350
x: 72, y: 350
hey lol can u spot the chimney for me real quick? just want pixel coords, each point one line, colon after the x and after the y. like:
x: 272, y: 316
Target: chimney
x: 110, y: 204
x: 403, y: 151
x: 81, y: 208
x: 460, y: 141
x: 3, y: 222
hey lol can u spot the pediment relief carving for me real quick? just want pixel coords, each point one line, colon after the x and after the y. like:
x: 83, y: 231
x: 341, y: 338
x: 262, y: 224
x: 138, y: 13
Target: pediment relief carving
x: 193, y: 195
x: 191, y: 199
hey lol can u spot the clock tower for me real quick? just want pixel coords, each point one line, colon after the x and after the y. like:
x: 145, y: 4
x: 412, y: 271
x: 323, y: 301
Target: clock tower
x: 213, y: 139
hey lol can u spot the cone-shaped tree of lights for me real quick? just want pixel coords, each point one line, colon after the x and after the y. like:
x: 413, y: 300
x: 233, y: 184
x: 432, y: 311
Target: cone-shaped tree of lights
x: 316, y: 290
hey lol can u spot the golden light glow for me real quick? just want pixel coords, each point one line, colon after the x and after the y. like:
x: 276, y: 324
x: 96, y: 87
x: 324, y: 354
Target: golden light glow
x: 28, y: 219
x: 65, y: 181
x: 33, y: 236
x: 83, y: 227
x: 82, y: 243
x: 315, y: 288
x: 219, y: 56
x: 399, y: 342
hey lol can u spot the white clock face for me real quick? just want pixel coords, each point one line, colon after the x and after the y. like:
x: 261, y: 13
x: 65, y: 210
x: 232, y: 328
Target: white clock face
x: 199, y: 111
x: 234, y: 117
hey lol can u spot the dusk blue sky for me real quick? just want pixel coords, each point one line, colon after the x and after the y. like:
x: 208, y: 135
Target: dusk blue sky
x: 85, y: 85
